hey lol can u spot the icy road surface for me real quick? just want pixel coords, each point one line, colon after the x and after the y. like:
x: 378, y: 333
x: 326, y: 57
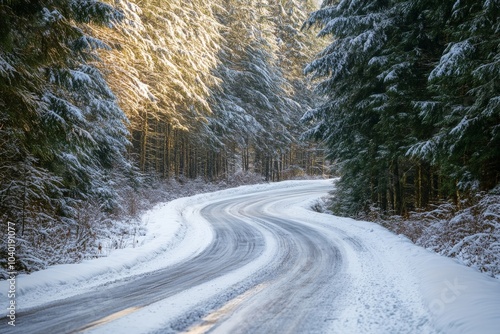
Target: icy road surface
x: 258, y: 260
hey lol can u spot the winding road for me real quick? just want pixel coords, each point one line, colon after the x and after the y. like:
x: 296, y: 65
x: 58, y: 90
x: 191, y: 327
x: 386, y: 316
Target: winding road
x: 274, y: 267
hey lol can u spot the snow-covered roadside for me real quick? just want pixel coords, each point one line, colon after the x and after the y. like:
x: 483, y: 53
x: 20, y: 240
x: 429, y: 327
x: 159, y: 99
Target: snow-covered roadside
x: 165, y: 233
x: 451, y: 298
x: 459, y: 299
x: 387, y: 272
x: 171, y: 238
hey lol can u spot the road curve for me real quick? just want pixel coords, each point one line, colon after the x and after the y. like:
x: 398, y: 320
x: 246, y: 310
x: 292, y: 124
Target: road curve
x: 302, y: 280
x: 235, y: 245
x: 302, y: 283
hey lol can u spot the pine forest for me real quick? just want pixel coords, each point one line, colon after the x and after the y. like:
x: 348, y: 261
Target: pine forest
x: 110, y: 106
x: 102, y: 101
x: 410, y: 111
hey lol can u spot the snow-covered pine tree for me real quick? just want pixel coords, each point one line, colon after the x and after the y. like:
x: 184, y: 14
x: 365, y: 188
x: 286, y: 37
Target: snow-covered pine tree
x: 296, y: 47
x: 61, y: 127
x: 373, y: 72
x: 466, y: 108
x: 250, y: 108
x: 161, y: 70
x: 352, y: 90
x: 262, y: 98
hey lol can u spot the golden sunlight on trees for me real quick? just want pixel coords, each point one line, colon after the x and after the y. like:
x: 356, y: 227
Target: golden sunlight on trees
x: 179, y: 68
x: 160, y: 65
x: 101, y: 99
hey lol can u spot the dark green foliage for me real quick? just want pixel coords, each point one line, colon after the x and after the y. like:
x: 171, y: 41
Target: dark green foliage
x: 467, y: 89
x: 61, y: 130
x: 411, y: 110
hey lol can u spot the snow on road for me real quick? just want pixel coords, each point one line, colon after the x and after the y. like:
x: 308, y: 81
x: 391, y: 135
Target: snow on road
x: 301, y: 271
x: 175, y: 232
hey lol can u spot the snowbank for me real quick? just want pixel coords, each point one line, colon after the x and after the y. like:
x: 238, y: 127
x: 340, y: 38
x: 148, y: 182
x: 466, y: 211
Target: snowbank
x: 459, y: 298
x: 171, y: 238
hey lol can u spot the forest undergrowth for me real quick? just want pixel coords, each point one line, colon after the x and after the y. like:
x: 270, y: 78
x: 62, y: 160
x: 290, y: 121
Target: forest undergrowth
x: 99, y: 233
x: 468, y: 231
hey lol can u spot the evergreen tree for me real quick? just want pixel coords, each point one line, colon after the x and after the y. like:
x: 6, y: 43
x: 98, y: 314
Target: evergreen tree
x: 375, y: 71
x: 411, y: 111
x: 466, y: 111
x: 353, y: 90
x: 61, y: 129
x: 250, y: 109
x: 261, y: 99
x: 161, y: 70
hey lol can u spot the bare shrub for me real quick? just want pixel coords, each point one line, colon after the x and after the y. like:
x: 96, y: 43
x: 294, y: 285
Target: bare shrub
x: 470, y: 234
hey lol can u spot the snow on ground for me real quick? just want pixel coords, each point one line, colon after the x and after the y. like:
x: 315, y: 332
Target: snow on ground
x: 459, y: 299
x: 201, y: 299
x: 175, y: 232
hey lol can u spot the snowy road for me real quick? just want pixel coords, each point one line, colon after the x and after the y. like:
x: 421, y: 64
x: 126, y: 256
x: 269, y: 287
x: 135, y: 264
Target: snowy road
x: 258, y: 261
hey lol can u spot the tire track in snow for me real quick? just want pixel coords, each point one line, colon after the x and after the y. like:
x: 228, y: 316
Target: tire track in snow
x: 316, y: 274
x: 234, y: 245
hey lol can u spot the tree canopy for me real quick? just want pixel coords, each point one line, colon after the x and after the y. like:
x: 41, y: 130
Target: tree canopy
x: 96, y: 95
x: 410, y: 111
